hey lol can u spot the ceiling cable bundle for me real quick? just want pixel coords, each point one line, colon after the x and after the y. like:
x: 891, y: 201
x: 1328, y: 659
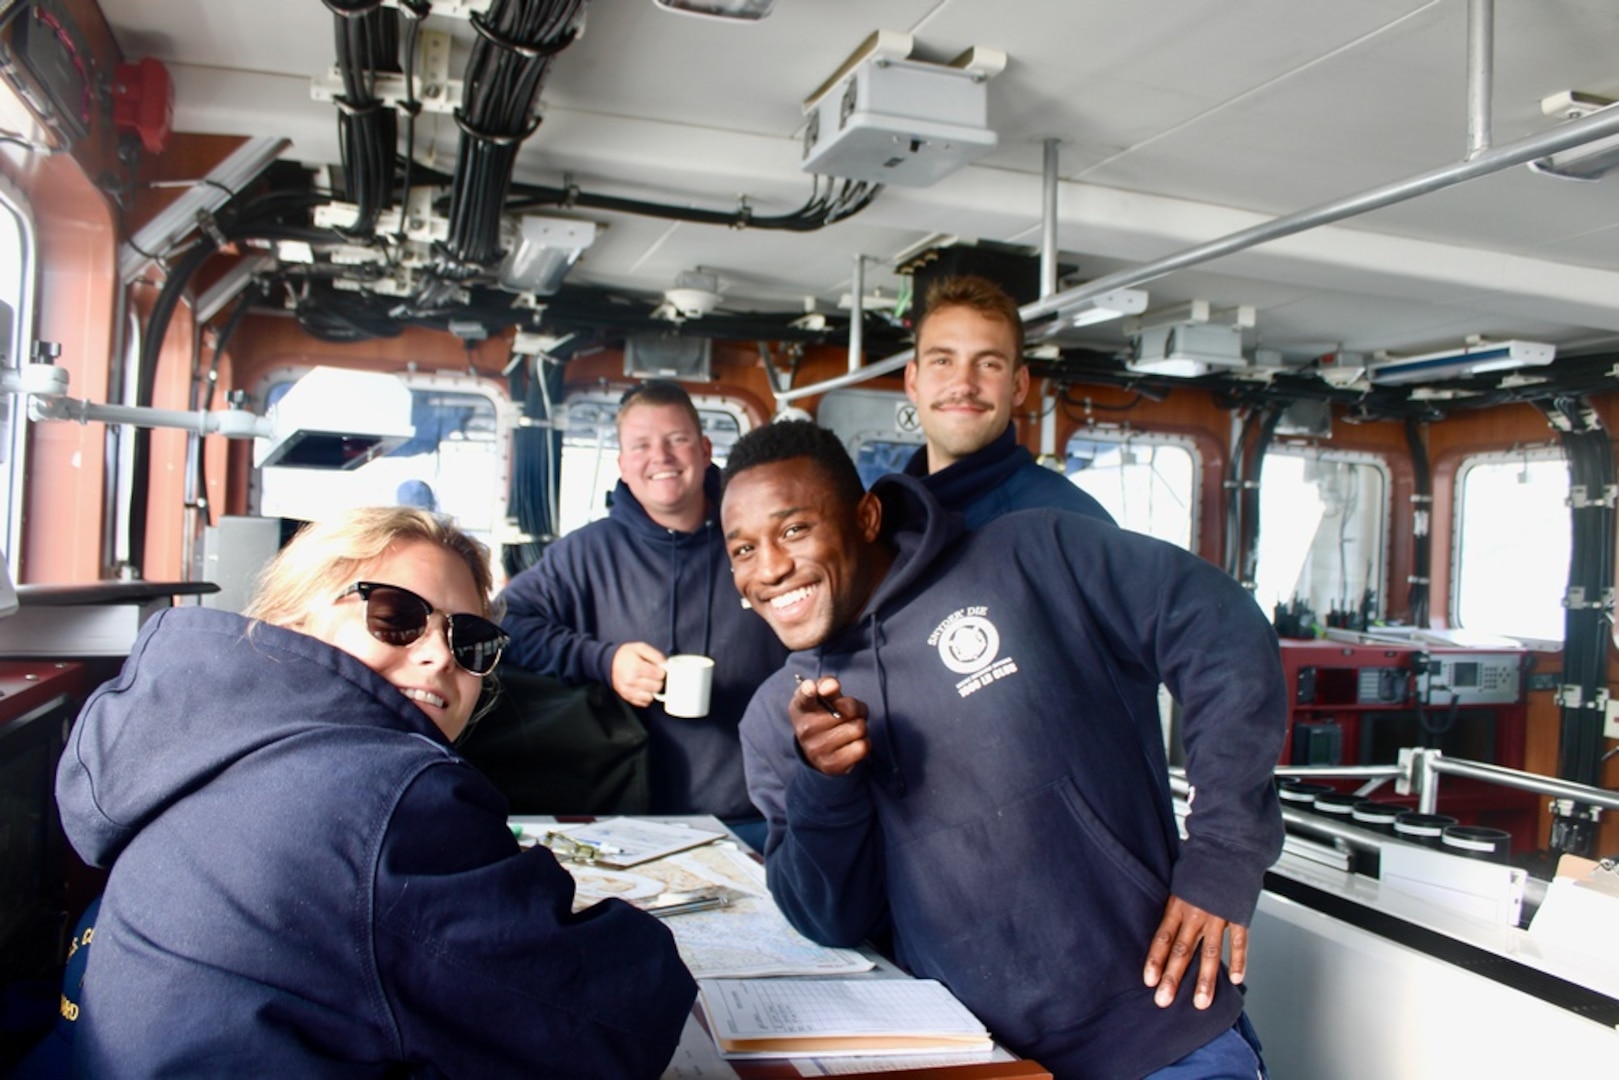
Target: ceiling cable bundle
x: 830, y: 201
x: 367, y: 42
x: 516, y: 40
x: 1589, y: 600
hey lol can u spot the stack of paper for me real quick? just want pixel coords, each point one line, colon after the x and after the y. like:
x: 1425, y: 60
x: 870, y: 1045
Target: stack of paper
x: 826, y: 1017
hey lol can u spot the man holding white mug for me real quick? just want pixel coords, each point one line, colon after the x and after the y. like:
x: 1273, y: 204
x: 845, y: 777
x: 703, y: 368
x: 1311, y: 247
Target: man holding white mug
x: 644, y: 597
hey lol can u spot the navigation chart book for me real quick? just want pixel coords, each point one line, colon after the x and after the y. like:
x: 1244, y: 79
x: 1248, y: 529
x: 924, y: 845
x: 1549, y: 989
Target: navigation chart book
x: 827, y: 1017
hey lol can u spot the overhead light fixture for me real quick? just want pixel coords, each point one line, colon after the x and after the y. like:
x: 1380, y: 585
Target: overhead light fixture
x: 1591, y: 161
x: 738, y: 10
x: 180, y: 217
x: 1476, y: 358
x: 543, y: 252
x: 1114, y: 305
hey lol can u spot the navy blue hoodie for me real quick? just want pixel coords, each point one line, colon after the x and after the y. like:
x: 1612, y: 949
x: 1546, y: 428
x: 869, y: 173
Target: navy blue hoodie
x: 308, y: 881
x: 627, y: 578
x: 1012, y: 824
x: 998, y: 479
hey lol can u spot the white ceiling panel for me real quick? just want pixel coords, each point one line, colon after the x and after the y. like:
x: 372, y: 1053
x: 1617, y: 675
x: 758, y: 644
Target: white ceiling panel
x: 1179, y: 121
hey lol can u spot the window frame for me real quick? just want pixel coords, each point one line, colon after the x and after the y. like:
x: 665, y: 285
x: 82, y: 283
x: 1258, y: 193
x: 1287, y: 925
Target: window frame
x: 13, y: 483
x: 1127, y: 436
x: 1549, y: 451
x: 1379, y: 463
x: 443, y: 381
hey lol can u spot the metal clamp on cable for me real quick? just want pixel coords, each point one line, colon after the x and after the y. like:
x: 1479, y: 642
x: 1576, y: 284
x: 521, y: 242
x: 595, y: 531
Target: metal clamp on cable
x: 1574, y: 600
x: 1579, y: 497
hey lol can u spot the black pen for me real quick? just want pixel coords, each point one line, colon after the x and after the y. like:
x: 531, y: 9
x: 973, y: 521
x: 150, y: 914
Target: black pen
x: 819, y: 700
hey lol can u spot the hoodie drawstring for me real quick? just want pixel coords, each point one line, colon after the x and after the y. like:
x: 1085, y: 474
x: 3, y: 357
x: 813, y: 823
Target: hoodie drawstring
x: 896, y: 776
x: 674, y: 591
x: 708, y: 607
x: 675, y: 557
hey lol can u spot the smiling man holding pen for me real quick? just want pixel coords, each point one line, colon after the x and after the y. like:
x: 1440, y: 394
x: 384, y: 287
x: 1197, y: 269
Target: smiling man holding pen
x: 975, y: 761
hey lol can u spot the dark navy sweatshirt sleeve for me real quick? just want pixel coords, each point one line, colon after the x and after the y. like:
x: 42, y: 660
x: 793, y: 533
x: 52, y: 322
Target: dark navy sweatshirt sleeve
x: 484, y: 967
x: 1203, y: 636
x: 548, y: 610
x: 823, y: 857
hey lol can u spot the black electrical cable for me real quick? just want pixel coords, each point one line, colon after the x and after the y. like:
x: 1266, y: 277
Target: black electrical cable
x: 1242, y: 516
x: 1233, y: 517
x: 168, y: 298
x: 504, y: 74
x: 1588, y: 619
x: 366, y: 41
x: 1249, y: 496
x: 413, y: 13
x: 536, y: 463
x: 1417, y: 599
x: 818, y: 211
x: 205, y: 384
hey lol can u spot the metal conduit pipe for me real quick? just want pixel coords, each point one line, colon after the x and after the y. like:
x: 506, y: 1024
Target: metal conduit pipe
x: 1048, y: 222
x: 1480, y: 74
x: 857, y: 315
x: 1598, y: 125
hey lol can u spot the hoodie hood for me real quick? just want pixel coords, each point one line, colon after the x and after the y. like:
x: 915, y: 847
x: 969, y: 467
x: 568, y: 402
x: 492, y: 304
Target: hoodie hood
x: 628, y: 511
x: 171, y: 709
x: 918, y: 530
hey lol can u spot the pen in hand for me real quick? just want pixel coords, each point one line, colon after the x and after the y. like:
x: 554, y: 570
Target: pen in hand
x: 819, y: 700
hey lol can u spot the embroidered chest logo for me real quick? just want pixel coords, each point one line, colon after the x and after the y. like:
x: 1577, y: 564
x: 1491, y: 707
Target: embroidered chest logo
x: 970, y: 646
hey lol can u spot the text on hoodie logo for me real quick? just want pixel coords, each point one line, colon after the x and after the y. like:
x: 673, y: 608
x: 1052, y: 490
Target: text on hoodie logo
x: 970, y: 646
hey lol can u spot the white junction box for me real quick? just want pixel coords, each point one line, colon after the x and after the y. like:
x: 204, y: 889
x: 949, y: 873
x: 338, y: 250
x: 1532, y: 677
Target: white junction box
x: 899, y: 121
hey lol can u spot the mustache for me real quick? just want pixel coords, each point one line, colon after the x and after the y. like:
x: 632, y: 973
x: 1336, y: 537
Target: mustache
x: 975, y: 402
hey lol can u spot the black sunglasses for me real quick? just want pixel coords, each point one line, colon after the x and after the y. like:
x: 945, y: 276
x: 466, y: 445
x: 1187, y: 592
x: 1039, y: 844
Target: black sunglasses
x: 397, y: 616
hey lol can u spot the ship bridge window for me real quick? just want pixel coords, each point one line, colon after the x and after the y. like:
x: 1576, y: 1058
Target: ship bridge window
x: 1323, y: 530
x: 17, y: 253
x: 879, y: 428
x: 590, y: 450
x: 1513, y: 541
x: 455, y: 463
x: 879, y: 457
x: 1148, y: 482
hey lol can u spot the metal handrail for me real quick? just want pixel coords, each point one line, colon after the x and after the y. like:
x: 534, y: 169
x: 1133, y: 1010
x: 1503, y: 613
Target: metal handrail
x: 1427, y: 765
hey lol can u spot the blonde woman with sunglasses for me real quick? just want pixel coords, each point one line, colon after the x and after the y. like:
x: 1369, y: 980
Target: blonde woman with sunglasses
x: 307, y: 879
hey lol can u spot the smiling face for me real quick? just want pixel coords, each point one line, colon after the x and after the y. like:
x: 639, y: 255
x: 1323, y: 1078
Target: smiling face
x: 806, y: 559
x: 662, y: 457
x: 424, y: 670
x: 966, y: 380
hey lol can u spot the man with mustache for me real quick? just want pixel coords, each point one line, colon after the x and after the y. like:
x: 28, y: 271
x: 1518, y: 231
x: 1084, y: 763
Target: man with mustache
x: 965, y: 379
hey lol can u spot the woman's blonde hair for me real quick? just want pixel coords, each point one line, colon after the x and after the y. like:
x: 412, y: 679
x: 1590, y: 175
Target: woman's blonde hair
x: 325, y: 557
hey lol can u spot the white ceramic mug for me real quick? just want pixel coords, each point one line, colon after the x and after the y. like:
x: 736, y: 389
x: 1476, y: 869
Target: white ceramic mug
x: 687, y: 681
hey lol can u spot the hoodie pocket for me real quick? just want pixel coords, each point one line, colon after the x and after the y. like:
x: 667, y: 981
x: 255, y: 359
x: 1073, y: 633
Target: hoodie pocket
x: 1034, y: 913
